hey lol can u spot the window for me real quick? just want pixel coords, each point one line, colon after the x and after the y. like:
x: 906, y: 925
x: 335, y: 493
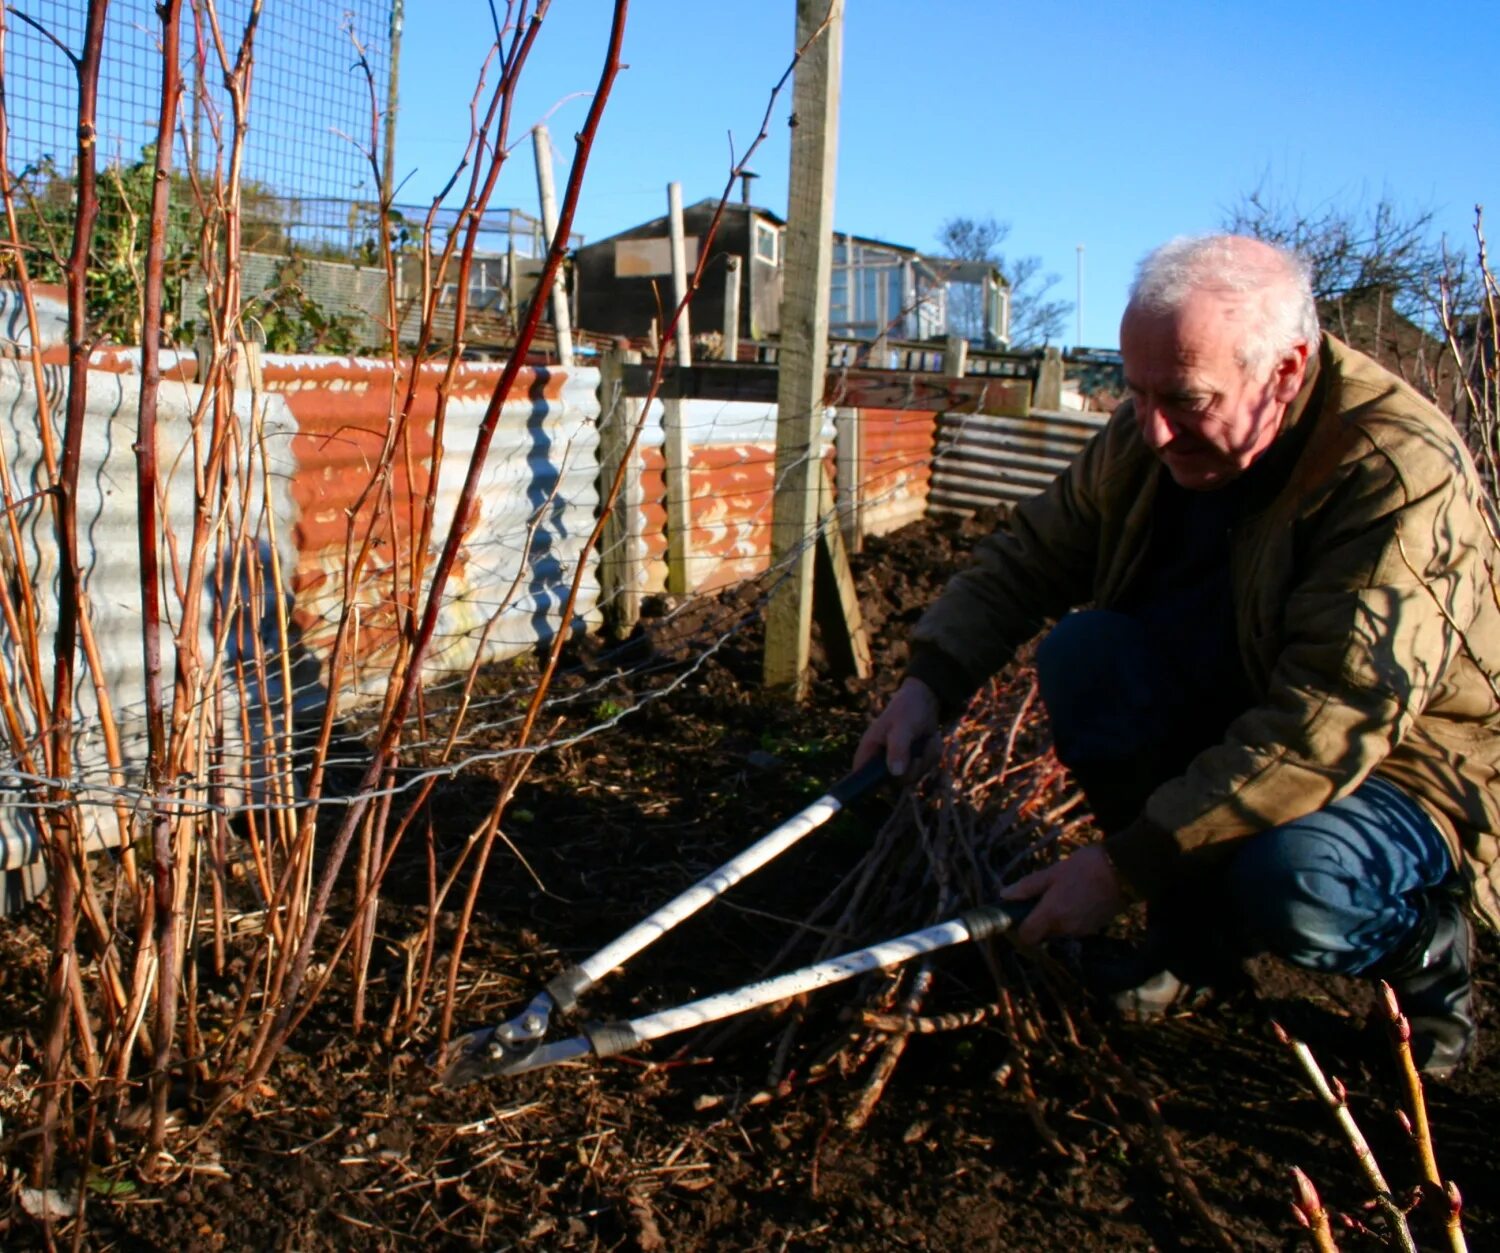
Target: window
x: 767, y: 239
x: 487, y: 283
x: 999, y: 315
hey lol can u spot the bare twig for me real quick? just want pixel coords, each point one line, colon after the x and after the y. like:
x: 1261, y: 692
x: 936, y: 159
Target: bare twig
x: 1309, y: 1211
x: 1435, y: 1193
x: 1334, y: 1096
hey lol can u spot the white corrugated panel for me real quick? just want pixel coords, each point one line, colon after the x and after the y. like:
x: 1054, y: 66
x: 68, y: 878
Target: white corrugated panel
x: 295, y: 481
x: 110, y: 567
x: 51, y: 308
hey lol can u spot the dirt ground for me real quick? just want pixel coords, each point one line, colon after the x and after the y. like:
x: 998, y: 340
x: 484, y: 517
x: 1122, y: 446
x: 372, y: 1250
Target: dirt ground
x: 1056, y: 1127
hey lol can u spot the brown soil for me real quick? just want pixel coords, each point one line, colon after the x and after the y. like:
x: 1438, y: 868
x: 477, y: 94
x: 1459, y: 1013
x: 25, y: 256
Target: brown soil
x: 1113, y: 1136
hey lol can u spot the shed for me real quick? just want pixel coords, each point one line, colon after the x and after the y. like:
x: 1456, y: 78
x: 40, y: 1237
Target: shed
x: 625, y: 280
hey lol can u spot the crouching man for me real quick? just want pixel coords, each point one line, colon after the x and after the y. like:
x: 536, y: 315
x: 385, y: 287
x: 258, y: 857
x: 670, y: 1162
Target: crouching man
x: 1281, y: 698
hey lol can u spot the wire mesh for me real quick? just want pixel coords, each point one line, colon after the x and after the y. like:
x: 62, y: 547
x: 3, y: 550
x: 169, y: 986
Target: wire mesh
x: 314, y: 130
x: 307, y: 85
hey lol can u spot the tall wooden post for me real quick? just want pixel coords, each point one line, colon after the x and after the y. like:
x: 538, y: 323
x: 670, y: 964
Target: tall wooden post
x: 804, y: 341
x: 678, y: 455
x: 679, y: 272
x: 732, y: 309
x: 562, y: 322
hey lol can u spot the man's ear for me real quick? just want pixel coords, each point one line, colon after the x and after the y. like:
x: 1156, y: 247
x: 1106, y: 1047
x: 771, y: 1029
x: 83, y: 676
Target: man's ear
x: 1291, y: 369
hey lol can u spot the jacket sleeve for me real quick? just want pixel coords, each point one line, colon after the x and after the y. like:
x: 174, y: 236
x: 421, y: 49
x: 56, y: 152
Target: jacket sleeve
x: 1036, y: 566
x: 1388, y: 581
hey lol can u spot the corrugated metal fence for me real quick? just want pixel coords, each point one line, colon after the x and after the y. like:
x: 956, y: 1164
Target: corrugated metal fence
x: 981, y: 462
x: 305, y: 511
x: 297, y: 506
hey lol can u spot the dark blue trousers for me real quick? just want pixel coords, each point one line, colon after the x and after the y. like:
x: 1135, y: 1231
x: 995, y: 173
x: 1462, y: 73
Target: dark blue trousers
x: 1335, y: 891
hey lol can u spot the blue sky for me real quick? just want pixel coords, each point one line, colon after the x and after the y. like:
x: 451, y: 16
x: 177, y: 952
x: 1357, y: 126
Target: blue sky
x: 1110, y: 125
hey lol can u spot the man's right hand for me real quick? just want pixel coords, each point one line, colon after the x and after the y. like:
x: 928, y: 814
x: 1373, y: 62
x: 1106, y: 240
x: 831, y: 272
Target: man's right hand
x: 908, y: 723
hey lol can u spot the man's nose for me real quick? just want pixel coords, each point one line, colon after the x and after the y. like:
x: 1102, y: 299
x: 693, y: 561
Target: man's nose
x: 1156, y: 428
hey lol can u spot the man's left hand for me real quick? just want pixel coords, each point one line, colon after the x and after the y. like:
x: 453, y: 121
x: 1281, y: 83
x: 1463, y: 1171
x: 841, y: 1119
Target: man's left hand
x: 1075, y: 896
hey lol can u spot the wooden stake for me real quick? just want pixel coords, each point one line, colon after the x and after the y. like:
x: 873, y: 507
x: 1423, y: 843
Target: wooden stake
x: 804, y: 341
x: 835, y: 598
x: 621, y: 549
x: 562, y: 319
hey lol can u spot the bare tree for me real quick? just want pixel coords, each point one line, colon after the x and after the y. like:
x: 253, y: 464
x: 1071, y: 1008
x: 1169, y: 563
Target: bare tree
x: 1035, y: 317
x: 1357, y: 249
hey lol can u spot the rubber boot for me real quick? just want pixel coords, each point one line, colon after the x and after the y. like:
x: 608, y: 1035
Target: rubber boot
x: 1430, y: 974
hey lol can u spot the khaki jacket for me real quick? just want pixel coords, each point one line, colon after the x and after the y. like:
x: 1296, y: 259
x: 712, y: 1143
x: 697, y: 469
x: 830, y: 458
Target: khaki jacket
x: 1367, y: 618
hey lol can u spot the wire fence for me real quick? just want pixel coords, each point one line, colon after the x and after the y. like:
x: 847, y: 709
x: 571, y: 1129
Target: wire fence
x: 307, y: 84
x: 247, y: 686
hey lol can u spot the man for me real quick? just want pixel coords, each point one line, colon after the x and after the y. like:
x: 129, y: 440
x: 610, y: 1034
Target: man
x: 1282, y: 700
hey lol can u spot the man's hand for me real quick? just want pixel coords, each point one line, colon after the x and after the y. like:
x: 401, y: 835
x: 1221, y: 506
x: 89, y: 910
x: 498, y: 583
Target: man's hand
x: 910, y: 718
x: 1076, y: 896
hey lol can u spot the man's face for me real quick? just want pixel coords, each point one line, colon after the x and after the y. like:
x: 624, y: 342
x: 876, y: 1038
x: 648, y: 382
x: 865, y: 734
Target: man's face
x: 1205, y: 416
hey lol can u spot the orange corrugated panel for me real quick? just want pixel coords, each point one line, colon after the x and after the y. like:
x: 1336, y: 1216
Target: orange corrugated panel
x: 887, y: 429
x: 345, y: 410
x: 896, y: 471
x: 733, y: 500
x: 654, y: 517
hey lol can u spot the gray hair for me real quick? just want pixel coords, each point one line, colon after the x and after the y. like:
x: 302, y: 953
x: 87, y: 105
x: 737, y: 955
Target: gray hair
x: 1279, y: 278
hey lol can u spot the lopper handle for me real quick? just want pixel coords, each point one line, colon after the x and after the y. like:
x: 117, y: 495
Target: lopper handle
x: 870, y: 775
x: 855, y: 784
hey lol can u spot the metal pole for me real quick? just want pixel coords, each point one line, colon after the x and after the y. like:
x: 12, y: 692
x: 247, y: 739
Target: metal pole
x: 1078, y: 342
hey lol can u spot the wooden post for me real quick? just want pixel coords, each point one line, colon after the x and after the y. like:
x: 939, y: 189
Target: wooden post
x: 621, y: 549
x: 562, y: 320
x: 849, y: 441
x: 882, y: 348
x: 677, y: 455
x: 804, y: 342
x: 1049, y: 380
x: 512, y: 282
x: 679, y: 272
x: 732, y: 310
x: 676, y: 452
x: 955, y: 357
